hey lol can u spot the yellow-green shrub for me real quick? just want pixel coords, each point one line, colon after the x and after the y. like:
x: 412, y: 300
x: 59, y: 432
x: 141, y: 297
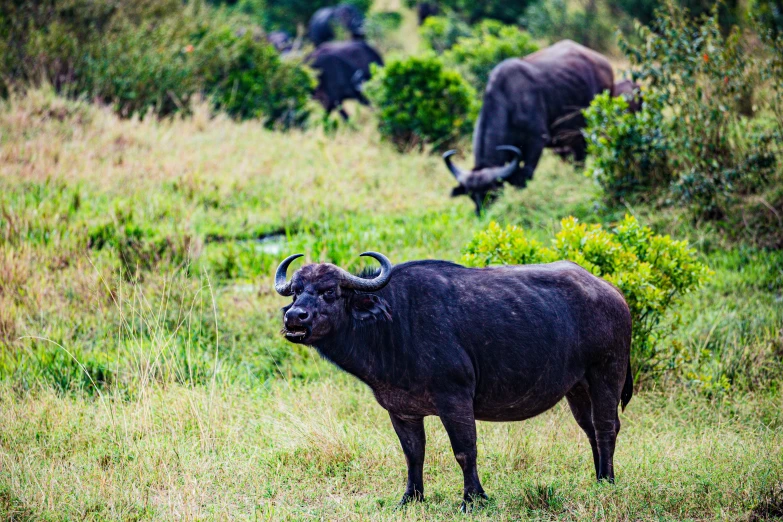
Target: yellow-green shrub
x: 652, y: 271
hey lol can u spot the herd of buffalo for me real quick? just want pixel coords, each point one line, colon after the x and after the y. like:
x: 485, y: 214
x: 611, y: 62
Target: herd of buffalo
x: 465, y: 344
x: 530, y: 103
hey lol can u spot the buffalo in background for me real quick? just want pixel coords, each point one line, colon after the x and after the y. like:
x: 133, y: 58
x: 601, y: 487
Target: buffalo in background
x: 530, y: 104
x: 321, y: 29
x: 631, y: 93
x: 426, y: 9
x: 342, y: 69
x: 465, y: 344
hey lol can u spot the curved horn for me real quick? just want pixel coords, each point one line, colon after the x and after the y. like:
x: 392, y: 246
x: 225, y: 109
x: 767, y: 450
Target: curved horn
x: 455, y: 170
x: 282, y: 286
x: 511, y: 167
x: 368, y: 285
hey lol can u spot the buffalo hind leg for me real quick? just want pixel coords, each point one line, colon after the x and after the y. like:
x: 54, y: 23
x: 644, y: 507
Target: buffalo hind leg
x: 413, y: 440
x: 605, y: 399
x: 460, y: 424
x: 582, y: 408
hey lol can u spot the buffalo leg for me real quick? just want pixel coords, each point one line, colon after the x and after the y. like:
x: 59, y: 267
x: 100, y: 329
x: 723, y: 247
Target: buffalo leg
x: 412, y: 439
x: 460, y: 425
x: 605, y: 400
x: 582, y: 408
x: 531, y: 154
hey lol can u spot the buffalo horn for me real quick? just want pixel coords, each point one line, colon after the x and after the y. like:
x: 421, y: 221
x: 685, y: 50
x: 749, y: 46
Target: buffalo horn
x: 455, y: 170
x: 368, y: 285
x: 509, y: 169
x: 282, y: 286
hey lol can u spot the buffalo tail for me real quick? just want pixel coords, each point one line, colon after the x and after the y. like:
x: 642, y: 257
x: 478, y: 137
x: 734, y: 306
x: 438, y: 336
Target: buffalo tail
x: 625, y: 397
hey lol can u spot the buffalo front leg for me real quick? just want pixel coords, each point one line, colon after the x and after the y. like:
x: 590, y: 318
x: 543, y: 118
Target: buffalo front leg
x: 413, y: 440
x: 460, y: 425
x: 531, y: 155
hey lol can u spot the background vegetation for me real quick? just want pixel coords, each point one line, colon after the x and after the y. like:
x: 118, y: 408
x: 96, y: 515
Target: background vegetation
x: 142, y: 374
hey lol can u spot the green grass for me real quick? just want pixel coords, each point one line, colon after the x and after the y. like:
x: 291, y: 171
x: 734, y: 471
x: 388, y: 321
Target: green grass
x: 142, y: 374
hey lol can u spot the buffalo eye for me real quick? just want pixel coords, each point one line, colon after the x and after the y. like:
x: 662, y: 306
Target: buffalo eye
x: 329, y: 295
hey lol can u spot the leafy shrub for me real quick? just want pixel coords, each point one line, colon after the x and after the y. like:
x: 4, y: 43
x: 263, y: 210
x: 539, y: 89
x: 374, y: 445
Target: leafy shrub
x: 140, y: 69
x: 652, y: 271
x: 246, y: 78
x: 588, y: 24
x: 491, y: 43
x: 420, y: 102
x: 696, y: 81
x: 288, y: 15
x: 473, y: 11
x: 153, y: 56
x: 440, y: 33
x: 628, y: 151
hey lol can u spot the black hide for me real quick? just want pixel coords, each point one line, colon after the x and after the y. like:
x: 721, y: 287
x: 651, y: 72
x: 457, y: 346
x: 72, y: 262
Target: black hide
x: 320, y: 28
x: 536, y: 102
x: 342, y: 69
x: 494, y: 344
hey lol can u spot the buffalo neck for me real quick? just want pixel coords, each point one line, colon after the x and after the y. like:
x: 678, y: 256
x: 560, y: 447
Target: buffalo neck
x: 364, y: 351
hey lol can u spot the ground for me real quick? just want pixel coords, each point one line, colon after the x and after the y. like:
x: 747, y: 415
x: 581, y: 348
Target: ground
x: 143, y: 375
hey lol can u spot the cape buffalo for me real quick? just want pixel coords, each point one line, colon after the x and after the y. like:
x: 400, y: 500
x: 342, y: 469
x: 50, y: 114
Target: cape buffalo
x: 320, y: 28
x: 342, y: 69
x: 465, y: 344
x: 530, y: 104
x: 630, y: 91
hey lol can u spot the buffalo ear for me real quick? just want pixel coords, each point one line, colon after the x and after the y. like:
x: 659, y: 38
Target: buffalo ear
x: 459, y: 190
x: 370, y: 307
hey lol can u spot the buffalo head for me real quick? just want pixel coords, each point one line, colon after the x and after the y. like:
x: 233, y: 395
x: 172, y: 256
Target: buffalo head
x: 481, y: 184
x: 327, y: 299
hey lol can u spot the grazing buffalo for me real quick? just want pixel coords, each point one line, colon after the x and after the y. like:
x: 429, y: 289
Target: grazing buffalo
x: 281, y: 41
x: 494, y: 344
x: 630, y: 91
x: 342, y: 69
x: 320, y: 28
x: 530, y: 104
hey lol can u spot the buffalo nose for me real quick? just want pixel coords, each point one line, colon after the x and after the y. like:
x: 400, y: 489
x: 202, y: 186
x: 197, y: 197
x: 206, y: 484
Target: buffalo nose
x: 298, y: 315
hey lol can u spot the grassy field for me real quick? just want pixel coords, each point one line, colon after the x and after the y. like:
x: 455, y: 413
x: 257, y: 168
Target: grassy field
x: 143, y: 376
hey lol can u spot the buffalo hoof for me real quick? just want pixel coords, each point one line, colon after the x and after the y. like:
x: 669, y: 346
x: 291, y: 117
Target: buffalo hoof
x: 407, y: 498
x: 472, y: 500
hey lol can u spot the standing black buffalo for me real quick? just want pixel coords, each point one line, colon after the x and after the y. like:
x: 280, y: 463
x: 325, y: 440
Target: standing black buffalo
x: 342, y: 69
x: 530, y: 104
x: 495, y: 344
x: 320, y: 28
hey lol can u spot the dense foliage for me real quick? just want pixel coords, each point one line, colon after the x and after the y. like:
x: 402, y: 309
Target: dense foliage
x: 502, y: 10
x: 151, y: 56
x: 652, y: 271
x: 491, y: 43
x: 589, y: 23
x: 440, y: 33
x: 291, y: 15
x: 420, y: 102
x: 700, y: 88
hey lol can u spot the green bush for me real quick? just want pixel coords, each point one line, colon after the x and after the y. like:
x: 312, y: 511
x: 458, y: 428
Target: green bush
x: 691, y: 136
x: 420, y: 102
x: 652, y: 271
x: 628, y: 150
x: 492, y: 42
x: 502, y: 10
x: 440, y: 33
x: 246, y: 78
x: 554, y: 20
x: 141, y: 68
x: 153, y: 56
x: 289, y: 15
